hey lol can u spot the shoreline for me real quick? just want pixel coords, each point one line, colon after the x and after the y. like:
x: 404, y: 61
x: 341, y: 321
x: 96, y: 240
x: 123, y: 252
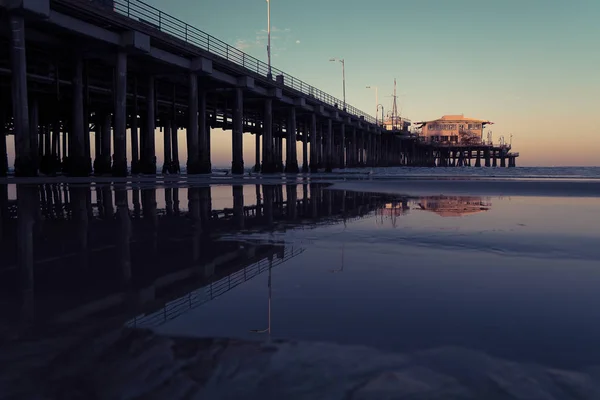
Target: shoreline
x: 406, y: 185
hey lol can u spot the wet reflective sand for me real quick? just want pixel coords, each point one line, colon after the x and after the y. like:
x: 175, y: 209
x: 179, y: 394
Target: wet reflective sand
x: 511, y: 277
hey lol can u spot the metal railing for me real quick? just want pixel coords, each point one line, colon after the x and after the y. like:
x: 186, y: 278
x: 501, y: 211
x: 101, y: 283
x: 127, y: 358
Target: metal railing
x: 166, y: 23
x: 196, y: 298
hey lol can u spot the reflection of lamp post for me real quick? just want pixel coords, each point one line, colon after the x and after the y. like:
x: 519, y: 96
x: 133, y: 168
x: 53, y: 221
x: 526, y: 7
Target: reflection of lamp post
x: 343, y: 78
x: 268, y: 329
x: 342, y: 267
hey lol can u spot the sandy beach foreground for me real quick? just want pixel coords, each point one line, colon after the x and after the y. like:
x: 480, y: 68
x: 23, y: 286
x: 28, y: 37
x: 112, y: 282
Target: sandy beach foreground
x: 300, y: 288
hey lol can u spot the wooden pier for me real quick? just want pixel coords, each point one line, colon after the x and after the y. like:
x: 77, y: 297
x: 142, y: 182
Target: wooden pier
x: 77, y: 75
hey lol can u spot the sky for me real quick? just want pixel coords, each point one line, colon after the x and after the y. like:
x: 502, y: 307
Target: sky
x: 530, y: 66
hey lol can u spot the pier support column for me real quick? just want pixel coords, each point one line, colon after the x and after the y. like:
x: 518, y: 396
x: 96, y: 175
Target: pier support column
x: 494, y: 158
x: 167, y: 165
x: 354, y: 149
x: 342, y: 155
x: 502, y: 161
x: 23, y: 157
x: 314, y: 148
x: 237, y: 164
x: 329, y: 147
x: 486, y: 155
x: 320, y: 149
x: 34, y: 127
x: 148, y: 164
x: 193, y: 166
x: 175, y: 168
x: 119, y: 167
x: 291, y: 162
x: 305, y: 166
x: 256, y: 152
x: 77, y: 158
x: 3, y: 150
x: 103, y: 164
x: 203, y: 129
x: 268, y: 165
x: 135, y: 153
x: 478, y: 159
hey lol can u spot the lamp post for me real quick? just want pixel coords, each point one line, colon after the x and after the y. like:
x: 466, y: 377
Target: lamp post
x: 269, y: 75
x: 376, y: 101
x: 343, y: 78
x: 380, y: 105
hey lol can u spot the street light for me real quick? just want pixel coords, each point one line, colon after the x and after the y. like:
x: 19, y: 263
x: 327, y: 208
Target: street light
x: 380, y: 105
x: 269, y: 76
x: 343, y: 77
x: 376, y: 101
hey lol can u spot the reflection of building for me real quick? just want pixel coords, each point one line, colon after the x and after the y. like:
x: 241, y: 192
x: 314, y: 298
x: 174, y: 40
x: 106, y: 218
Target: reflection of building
x: 394, y: 209
x: 454, y: 206
x: 453, y: 129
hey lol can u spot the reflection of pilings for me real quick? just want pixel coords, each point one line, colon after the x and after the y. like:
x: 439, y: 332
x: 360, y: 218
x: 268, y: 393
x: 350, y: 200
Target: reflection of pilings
x: 123, y: 234
x: 314, y: 189
x: 176, y: 201
x: 149, y: 212
x: 3, y: 207
x: 135, y: 194
x: 238, y: 205
x: 268, y: 200
x: 168, y: 200
x: 258, y: 201
x: 292, y: 197
x: 27, y: 206
x: 305, y: 199
x: 194, y: 209
x: 205, y: 205
x: 107, y: 202
x: 79, y: 208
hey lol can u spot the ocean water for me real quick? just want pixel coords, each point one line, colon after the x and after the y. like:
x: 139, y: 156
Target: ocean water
x: 502, y: 263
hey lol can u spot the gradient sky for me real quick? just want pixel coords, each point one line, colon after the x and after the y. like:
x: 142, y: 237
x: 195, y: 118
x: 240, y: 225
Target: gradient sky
x: 530, y: 66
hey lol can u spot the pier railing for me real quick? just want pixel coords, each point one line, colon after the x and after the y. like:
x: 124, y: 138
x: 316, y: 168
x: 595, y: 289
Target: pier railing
x: 166, y: 23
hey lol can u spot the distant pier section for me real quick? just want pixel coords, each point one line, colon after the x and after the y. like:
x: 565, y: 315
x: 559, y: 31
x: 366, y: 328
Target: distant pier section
x: 90, y: 86
x: 456, y: 140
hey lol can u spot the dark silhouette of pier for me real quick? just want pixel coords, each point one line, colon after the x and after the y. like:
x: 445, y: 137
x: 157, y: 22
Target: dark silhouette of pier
x: 77, y: 72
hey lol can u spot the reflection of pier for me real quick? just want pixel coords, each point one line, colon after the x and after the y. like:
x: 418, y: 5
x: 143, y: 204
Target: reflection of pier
x: 78, y: 252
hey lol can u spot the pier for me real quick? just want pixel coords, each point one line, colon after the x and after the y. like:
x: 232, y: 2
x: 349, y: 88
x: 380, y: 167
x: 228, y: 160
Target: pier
x: 78, y: 75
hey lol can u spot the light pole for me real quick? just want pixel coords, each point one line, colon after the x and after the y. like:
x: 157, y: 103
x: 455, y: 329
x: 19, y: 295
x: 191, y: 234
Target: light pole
x: 269, y: 76
x: 376, y: 101
x: 343, y: 78
x: 380, y: 105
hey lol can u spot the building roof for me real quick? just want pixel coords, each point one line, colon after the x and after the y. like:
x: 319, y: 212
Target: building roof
x: 460, y: 117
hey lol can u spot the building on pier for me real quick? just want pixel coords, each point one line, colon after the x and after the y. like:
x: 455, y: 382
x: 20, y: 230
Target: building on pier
x: 454, y: 129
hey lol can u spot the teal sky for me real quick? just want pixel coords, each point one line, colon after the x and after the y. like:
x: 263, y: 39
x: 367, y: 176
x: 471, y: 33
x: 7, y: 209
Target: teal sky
x: 531, y: 66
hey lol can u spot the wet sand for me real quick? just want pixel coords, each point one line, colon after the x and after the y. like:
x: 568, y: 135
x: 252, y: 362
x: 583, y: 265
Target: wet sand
x: 404, y: 288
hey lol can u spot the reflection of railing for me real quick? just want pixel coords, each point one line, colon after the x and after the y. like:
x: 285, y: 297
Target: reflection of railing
x: 157, y: 19
x: 196, y: 298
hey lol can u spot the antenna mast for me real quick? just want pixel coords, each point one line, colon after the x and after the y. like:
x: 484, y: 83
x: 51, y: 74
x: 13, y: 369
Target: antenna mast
x: 394, y: 109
